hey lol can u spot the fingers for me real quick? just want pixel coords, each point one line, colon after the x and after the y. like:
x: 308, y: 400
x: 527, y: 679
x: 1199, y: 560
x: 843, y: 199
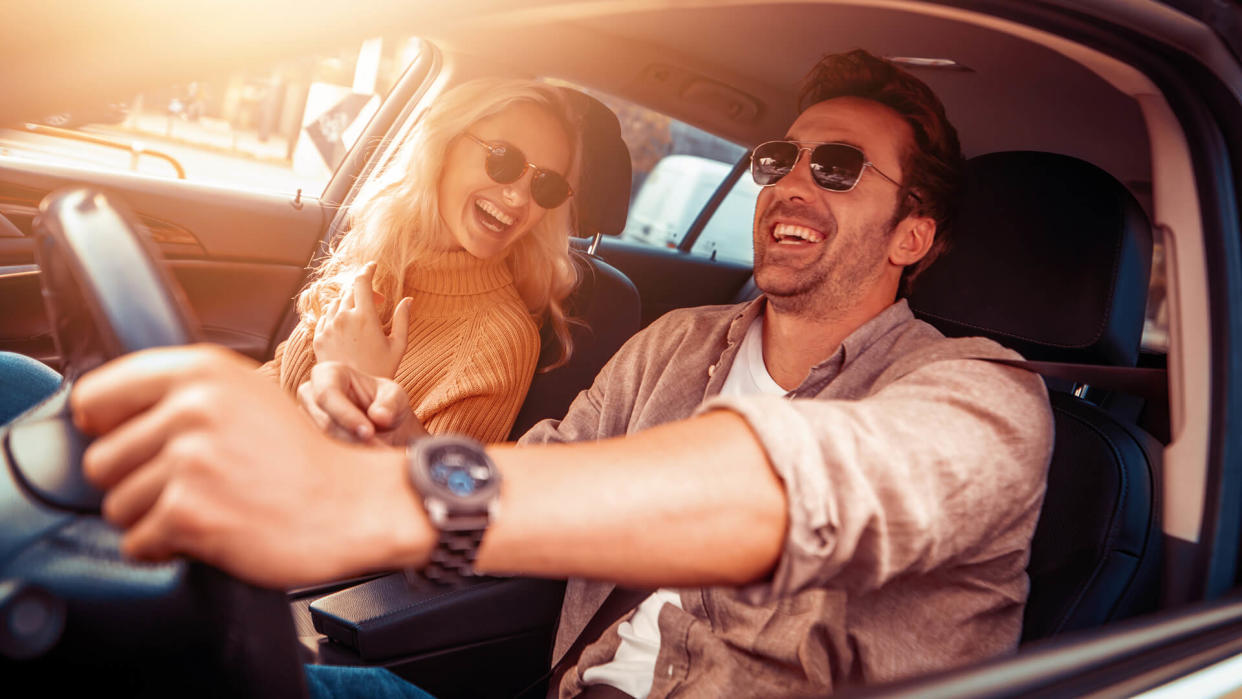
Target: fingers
x: 111, y: 394
x: 394, y: 420
x: 363, y: 297
x: 306, y: 399
x: 328, y: 314
x: 321, y: 419
x: 346, y: 415
x: 390, y: 407
x: 327, y: 317
x: 150, y: 539
x: 110, y: 458
x: 136, y: 495
x: 399, y: 335
x: 332, y: 398
x: 120, y: 389
x: 346, y: 300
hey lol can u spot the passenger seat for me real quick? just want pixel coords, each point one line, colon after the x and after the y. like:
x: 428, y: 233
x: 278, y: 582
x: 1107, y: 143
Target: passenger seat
x: 606, y: 302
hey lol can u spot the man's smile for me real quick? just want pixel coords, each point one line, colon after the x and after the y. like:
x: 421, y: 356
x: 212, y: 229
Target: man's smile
x: 795, y: 227
x: 794, y: 234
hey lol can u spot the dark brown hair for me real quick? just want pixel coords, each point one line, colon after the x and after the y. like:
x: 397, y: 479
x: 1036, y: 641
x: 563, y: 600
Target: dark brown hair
x: 932, y: 169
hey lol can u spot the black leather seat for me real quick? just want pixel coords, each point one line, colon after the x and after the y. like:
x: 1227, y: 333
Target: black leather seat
x: 606, y: 302
x: 1051, y: 257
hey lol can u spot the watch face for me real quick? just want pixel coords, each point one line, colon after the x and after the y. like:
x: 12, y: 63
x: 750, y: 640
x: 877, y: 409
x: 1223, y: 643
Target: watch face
x: 458, y: 470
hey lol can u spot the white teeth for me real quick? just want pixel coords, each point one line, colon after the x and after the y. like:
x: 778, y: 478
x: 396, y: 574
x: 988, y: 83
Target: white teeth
x: 787, y: 231
x: 495, y: 211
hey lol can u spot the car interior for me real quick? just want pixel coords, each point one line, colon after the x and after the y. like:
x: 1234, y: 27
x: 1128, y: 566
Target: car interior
x: 1082, y: 188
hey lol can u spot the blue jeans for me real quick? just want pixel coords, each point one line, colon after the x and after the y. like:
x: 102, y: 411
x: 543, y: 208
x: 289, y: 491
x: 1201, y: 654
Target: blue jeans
x: 23, y: 383
x: 344, y: 682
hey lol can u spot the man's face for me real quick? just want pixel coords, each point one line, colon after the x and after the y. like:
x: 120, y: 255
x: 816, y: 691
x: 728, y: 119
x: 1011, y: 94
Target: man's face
x: 847, y: 253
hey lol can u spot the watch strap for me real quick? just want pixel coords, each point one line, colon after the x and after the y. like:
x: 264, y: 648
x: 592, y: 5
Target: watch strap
x: 452, y: 560
x: 460, y: 525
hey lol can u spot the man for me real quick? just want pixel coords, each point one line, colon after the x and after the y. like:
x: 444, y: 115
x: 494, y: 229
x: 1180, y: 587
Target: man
x: 821, y: 489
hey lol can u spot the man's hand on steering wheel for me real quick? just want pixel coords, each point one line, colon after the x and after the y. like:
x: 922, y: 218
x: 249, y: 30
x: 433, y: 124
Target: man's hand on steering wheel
x: 254, y: 489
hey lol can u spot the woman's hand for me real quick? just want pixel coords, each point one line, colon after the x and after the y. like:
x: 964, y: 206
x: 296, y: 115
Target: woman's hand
x: 356, y: 407
x: 350, y: 330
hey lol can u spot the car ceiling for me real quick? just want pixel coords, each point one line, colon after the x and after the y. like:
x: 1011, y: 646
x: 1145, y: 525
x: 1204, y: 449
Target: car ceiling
x: 730, y: 67
x: 1018, y: 95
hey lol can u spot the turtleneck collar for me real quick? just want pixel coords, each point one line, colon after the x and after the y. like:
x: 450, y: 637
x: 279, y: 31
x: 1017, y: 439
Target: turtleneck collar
x: 458, y: 273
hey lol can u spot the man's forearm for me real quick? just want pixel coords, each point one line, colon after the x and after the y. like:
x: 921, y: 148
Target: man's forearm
x: 690, y: 503
x: 693, y: 502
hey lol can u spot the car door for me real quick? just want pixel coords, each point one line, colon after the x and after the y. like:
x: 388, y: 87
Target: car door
x: 240, y: 256
x: 241, y: 253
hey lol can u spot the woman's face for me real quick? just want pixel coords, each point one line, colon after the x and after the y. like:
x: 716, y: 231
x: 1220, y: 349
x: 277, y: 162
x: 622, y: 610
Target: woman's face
x: 483, y: 216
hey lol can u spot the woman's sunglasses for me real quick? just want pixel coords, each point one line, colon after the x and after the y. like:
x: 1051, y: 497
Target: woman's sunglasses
x: 506, y: 164
x: 836, y: 167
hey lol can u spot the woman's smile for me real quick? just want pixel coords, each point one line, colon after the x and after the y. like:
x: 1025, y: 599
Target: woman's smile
x: 486, y: 217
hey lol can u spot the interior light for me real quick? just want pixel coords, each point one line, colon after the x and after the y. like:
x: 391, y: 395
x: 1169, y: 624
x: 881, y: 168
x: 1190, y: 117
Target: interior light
x: 930, y: 63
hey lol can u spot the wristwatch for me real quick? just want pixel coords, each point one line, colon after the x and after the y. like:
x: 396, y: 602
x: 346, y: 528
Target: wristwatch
x: 460, y: 489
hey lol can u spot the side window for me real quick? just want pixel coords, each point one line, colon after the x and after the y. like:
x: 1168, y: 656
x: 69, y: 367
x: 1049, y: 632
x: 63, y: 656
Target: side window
x: 278, y: 128
x: 669, y: 193
x: 728, y: 234
x: 677, y: 167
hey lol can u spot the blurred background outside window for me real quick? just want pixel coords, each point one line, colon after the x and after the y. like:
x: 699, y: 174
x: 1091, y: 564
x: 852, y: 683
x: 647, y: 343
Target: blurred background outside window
x: 280, y: 128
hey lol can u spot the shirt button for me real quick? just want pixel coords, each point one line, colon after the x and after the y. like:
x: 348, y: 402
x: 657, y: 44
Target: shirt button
x: 670, y: 670
x: 711, y: 371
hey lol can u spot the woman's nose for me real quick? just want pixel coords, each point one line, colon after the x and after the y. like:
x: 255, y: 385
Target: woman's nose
x: 513, y: 195
x: 518, y: 191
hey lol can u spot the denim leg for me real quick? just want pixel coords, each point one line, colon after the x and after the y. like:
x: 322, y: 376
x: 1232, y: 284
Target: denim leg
x: 23, y: 383
x: 345, y: 682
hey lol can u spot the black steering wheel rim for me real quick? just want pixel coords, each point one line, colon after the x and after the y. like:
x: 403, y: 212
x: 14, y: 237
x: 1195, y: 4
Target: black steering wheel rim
x: 177, y: 627
x: 106, y: 290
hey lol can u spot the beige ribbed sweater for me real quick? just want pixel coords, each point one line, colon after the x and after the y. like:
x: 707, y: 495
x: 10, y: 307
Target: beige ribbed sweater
x: 471, y: 351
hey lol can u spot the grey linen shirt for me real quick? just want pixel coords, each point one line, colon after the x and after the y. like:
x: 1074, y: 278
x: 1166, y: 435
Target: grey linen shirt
x: 914, y: 477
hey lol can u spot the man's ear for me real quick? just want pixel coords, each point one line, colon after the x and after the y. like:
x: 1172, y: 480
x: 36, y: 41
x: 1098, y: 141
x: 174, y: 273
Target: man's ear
x: 911, y: 241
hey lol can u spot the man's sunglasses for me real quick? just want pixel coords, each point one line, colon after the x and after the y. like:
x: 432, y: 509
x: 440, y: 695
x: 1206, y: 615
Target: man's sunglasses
x: 836, y: 167
x: 506, y: 164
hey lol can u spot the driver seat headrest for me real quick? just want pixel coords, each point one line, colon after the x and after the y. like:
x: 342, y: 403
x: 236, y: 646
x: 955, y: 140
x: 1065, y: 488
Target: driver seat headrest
x: 1050, y: 256
x: 602, y: 195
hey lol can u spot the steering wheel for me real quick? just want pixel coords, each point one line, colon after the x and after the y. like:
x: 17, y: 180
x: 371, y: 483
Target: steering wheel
x: 75, y: 616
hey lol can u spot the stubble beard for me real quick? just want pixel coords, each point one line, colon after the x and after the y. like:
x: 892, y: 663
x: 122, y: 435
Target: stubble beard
x: 831, y: 285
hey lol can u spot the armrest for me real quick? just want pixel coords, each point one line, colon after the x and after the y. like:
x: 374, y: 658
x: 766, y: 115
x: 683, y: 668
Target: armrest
x: 321, y: 589
x: 385, y: 618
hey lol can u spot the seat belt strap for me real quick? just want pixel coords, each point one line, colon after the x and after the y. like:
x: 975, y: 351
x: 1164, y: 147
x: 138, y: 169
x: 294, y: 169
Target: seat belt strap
x: 618, y: 603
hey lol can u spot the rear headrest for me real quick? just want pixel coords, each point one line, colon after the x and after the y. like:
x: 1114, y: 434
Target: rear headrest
x: 602, y: 197
x: 1050, y: 256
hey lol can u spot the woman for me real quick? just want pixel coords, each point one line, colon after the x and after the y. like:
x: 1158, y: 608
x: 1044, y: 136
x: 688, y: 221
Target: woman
x: 469, y: 229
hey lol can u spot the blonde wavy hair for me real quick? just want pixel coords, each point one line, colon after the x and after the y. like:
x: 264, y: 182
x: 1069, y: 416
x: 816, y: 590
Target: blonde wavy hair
x: 398, y: 222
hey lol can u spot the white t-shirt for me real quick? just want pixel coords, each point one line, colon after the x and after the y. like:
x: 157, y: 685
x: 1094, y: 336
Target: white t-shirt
x: 749, y: 375
x: 632, y: 669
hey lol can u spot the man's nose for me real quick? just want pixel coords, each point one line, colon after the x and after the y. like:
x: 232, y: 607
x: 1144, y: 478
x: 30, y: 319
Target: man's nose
x: 798, y: 183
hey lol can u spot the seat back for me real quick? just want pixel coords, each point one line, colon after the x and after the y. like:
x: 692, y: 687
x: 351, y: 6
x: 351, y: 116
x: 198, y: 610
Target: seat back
x: 605, y: 304
x: 1051, y: 257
